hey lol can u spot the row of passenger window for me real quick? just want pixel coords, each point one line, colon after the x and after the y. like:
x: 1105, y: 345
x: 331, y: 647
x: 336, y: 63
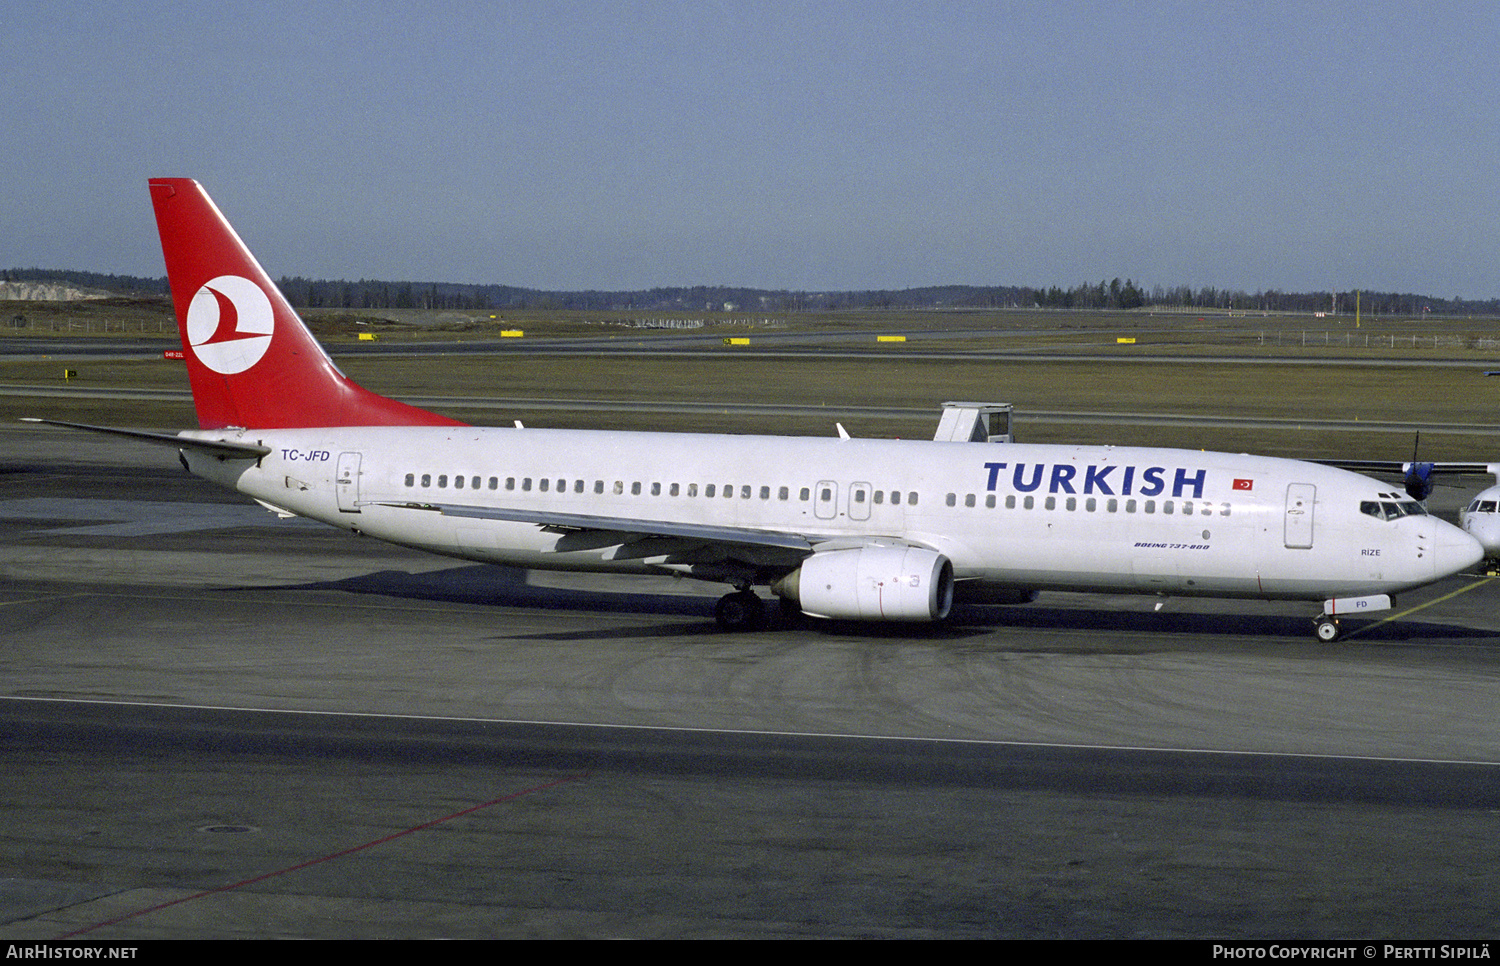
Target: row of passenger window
x: 859, y: 494
x: 526, y: 484
x: 1091, y: 504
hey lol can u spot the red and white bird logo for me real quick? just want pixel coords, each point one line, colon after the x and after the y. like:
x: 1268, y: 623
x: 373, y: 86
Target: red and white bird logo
x: 229, y: 324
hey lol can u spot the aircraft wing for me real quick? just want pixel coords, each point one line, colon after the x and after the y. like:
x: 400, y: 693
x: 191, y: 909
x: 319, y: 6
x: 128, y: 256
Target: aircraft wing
x: 676, y: 538
x: 627, y: 526
x: 1395, y: 466
x: 1415, y: 475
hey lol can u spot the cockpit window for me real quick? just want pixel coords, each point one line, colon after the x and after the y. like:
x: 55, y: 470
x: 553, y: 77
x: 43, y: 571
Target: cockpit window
x: 1388, y: 510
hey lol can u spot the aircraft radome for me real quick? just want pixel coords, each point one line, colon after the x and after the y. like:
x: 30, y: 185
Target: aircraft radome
x: 858, y: 529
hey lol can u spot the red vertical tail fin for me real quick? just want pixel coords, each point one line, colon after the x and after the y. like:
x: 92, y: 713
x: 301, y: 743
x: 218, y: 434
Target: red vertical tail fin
x: 251, y: 360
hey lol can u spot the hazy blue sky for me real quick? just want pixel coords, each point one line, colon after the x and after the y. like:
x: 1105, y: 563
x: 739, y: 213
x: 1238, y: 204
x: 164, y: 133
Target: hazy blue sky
x: 809, y: 145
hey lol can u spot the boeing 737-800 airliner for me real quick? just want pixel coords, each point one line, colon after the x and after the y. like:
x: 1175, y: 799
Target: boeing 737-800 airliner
x: 862, y: 529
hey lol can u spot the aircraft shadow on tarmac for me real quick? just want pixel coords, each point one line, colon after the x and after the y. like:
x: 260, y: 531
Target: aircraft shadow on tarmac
x: 499, y: 586
x: 1225, y: 623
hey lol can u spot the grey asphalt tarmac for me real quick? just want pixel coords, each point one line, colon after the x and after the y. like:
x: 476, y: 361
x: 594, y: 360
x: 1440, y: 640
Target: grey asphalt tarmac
x: 217, y: 724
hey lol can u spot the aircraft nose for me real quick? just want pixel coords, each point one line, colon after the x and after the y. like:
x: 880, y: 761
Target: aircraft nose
x: 1454, y: 550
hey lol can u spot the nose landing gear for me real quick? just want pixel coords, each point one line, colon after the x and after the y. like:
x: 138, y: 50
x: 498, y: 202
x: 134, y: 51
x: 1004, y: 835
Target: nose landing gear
x: 1326, y: 624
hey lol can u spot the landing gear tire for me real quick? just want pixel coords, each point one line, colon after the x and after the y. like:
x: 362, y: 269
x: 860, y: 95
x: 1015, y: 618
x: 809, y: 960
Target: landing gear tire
x: 740, y: 611
x: 1327, y: 630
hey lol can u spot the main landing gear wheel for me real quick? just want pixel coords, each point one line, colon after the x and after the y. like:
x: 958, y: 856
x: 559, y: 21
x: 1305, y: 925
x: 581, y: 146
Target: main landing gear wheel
x: 1327, y: 629
x: 740, y: 611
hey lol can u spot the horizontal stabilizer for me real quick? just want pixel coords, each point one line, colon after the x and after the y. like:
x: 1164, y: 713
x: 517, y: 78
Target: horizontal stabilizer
x: 214, y: 447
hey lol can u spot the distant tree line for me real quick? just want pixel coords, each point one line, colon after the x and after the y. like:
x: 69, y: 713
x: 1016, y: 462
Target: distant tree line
x: 367, y: 294
x: 122, y: 284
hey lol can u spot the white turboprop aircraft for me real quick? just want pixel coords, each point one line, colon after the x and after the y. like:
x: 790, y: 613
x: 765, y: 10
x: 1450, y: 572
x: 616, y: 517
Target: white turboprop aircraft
x: 1481, y: 518
x: 861, y: 529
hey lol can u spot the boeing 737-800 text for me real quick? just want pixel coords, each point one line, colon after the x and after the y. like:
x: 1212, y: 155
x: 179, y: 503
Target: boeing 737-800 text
x: 862, y: 529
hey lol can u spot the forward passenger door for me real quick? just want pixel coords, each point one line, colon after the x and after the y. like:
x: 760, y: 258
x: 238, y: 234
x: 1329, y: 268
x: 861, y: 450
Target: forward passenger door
x: 1300, y: 500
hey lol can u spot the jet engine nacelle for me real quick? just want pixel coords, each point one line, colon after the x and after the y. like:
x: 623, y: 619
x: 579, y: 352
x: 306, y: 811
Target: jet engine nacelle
x: 875, y: 583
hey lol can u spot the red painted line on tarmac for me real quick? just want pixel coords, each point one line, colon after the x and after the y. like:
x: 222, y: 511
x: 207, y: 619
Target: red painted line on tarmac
x: 328, y: 858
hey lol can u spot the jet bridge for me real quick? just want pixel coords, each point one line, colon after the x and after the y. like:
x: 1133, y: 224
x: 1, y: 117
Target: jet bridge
x: 973, y: 422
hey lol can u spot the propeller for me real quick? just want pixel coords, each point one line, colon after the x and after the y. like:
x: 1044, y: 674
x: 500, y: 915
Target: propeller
x: 1418, y: 475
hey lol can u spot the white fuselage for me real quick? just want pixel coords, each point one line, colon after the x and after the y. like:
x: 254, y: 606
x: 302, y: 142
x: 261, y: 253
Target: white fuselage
x: 1037, y: 517
x: 1481, y: 519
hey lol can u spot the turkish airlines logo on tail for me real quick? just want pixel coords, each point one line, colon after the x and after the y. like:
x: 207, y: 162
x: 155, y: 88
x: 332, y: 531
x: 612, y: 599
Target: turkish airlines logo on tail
x: 229, y: 324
